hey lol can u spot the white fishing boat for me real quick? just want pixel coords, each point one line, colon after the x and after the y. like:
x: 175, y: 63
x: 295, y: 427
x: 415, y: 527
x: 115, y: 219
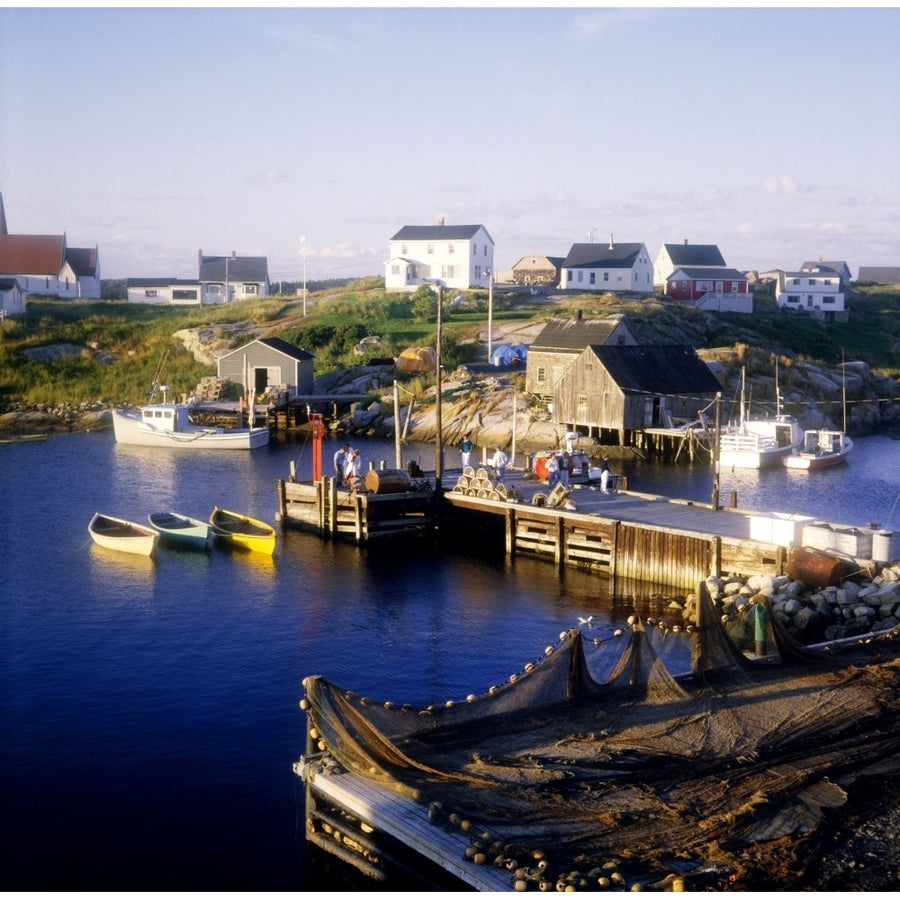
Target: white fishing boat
x: 170, y: 425
x: 759, y: 443
x: 820, y: 450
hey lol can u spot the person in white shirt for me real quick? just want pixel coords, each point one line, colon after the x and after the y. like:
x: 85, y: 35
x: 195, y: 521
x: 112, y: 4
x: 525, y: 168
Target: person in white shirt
x: 500, y: 462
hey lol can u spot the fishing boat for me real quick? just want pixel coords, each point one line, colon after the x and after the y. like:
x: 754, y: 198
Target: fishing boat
x: 242, y: 532
x: 120, y: 534
x: 823, y: 448
x: 171, y: 425
x: 759, y: 443
x: 181, y: 530
x: 820, y: 450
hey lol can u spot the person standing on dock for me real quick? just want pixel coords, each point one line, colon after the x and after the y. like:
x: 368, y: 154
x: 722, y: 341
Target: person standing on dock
x: 552, y: 470
x: 340, y: 460
x: 352, y: 468
x: 565, y: 468
x: 465, y: 448
x: 604, y: 474
x: 501, y: 461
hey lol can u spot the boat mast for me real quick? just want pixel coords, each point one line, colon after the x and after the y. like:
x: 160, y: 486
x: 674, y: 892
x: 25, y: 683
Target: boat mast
x: 843, y: 391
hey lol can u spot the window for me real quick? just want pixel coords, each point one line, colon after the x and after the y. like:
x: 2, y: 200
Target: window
x: 582, y: 401
x: 793, y: 298
x: 413, y: 271
x: 448, y: 271
x: 429, y: 249
x: 580, y: 275
x: 395, y: 269
x: 485, y: 249
x: 451, y: 249
x: 593, y: 278
x: 184, y: 295
x: 151, y: 292
x: 827, y: 281
x: 250, y: 289
x: 541, y: 374
x: 568, y: 275
x: 796, y: 281
x: 606, y: 276
x: 829, y: 299
x: 477, y: 272
x: 403, y: 250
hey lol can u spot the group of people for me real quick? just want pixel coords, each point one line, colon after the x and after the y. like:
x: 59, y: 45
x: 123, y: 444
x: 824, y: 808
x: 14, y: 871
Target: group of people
x: 560, y: 469
x: 499, y: 461
x: 347, y: 465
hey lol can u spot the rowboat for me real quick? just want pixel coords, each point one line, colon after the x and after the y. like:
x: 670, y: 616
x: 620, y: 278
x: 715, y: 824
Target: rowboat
x: 820, y: 450
x: 23, y: 438
x: 242, y: 532
x: 184, y: 531
x: 120, y: 534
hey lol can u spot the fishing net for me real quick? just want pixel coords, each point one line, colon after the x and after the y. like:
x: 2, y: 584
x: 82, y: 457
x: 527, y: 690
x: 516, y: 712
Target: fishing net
x: 597, y: 751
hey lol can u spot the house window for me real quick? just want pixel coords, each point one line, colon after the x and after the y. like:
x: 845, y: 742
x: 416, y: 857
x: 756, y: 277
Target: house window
x: 588, y: 365
x: 809, y: 299
x: 606, y: 276
x: 448, y: 271
x: 250, y: 289
x: 541, y: 374
x: 569, y: 275
x: 793, y: 298
x: 827, y: 281
x: 593, y: 278
x: 829, y: 299
x: 395, y: 269
x: 580, y: 275
x: 151, y: 292
x: 184, y: 295
x: 403, y: 250
x: 451, y: 249
x: 811, y: 281
x: 485, y: 250
x: 582, y: 401
x: 477, y: 272
x: 429, y: 249
x: 796, y: 281
x: 413, y: 272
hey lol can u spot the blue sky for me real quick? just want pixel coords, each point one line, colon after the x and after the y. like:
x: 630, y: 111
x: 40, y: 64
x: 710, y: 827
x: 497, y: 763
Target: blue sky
x: 156, y: 132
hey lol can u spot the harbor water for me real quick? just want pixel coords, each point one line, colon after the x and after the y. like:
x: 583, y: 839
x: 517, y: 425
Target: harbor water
x: 150, y: 712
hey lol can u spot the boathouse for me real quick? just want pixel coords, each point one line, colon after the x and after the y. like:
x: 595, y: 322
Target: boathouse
x: 613, y: 391
x: 269, y: 362
x: 562, y: 341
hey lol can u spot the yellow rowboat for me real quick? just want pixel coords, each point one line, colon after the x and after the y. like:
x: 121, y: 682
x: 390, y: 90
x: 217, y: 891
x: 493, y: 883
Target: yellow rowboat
x: 242, y: 532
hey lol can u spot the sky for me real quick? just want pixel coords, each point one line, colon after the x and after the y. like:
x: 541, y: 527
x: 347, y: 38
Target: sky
x: 311, y: 135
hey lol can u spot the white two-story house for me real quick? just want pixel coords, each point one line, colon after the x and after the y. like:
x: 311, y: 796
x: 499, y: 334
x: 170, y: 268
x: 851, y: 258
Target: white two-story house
x: 817, y: 293
x: 459, y: 256
x: 607, y: 267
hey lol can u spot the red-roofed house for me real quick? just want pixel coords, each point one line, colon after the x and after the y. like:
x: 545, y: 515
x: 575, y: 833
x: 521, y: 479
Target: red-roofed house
x: 44, y: 264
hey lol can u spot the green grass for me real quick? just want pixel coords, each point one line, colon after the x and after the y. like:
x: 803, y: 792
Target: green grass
x: 123, y: 344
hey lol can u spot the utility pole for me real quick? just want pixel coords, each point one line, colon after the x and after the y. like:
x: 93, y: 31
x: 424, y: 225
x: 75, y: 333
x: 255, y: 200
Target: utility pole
x: 715, y: 496
x: 439, y: 436
x: 490, y: 315
x: 303, y: 247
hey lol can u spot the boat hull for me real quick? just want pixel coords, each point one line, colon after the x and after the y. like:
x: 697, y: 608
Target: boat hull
x: 119, y: 534
x: 183, y: 531
x: 137, y: 429
x: 834, y: 450
x: 759, y: 443
x: 242, y: 532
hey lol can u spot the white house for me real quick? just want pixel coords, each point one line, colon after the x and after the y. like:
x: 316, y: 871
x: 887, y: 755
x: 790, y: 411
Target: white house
x: 227, y: 278
x: 607, y: 267
x: 674, y: 256
x: 817, y: 293
x: 460, y: 256
x: 45, y: 264
x: 173, y: 291
x: 12, y: 297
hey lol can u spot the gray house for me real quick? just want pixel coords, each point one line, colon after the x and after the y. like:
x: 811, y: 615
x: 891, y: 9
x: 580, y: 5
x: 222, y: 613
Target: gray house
x: 615, y: 390
x: 561, y: 342
x: 227, y: 278
x: 269, y: 362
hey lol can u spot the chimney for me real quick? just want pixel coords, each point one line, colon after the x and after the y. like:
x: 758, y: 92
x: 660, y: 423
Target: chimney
x: 233, y: 254
x: 200, y: 257
x: 441, y: 221
x: 610, y: 242
x: 685, y: 242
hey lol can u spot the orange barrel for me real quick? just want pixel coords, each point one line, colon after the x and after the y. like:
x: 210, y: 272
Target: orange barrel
x: 387, y: 481
x: 817, y: 568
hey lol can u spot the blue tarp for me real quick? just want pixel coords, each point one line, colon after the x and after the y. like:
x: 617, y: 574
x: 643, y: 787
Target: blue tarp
x: 508, y: 355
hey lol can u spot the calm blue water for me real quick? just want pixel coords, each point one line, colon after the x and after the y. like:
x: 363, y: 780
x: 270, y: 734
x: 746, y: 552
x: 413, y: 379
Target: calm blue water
x: 150, y: 708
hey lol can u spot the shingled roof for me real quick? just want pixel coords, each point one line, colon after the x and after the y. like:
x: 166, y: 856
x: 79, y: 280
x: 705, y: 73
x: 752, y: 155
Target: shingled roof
x: 575, y: 334
x: 437, y: 233
x: 694, y: 255
x: 602, y: 256
x: 32, y: 254
x: 657, y: 368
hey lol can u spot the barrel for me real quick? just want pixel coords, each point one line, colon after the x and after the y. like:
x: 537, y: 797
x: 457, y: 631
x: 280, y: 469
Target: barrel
x: 818, y: 569
x: 387, y: 481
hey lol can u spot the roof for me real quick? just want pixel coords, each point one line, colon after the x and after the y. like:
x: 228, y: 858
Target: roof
x: 537, y: 258
x: 83, y: 261
x: 282, y: 346
x: 880, y: 274
x: 238, y: 268
x: 657, y: 368
x: 711, y: 272
x: 818, y: 265
x: 438, y: 233
x: 575, y: 334
x: 32, y: 254
x: 694, y: 255
x: 160, y: 282
x: 602, y: 256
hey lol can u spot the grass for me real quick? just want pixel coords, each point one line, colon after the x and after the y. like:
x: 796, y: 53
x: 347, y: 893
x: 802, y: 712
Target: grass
x: 121, y: 345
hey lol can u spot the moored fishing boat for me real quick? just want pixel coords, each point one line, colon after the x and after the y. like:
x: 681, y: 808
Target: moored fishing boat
x: 120, y: 534
x: 820, y: 450
x: 182, y: 530
x: 23, y: 438
x: 243, y: 532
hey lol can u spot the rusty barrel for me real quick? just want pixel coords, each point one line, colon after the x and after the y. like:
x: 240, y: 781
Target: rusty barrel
x: 817, y: 568
x: 387, y: 481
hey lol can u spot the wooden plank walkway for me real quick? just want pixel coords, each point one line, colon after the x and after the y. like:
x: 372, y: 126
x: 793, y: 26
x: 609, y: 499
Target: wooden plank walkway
x: 404, y: 820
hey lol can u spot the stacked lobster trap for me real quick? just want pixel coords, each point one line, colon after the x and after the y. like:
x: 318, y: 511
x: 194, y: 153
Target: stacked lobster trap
x: 480, y: 483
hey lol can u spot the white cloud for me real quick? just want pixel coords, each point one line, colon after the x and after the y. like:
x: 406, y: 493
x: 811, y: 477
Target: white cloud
x: 783, y: 184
